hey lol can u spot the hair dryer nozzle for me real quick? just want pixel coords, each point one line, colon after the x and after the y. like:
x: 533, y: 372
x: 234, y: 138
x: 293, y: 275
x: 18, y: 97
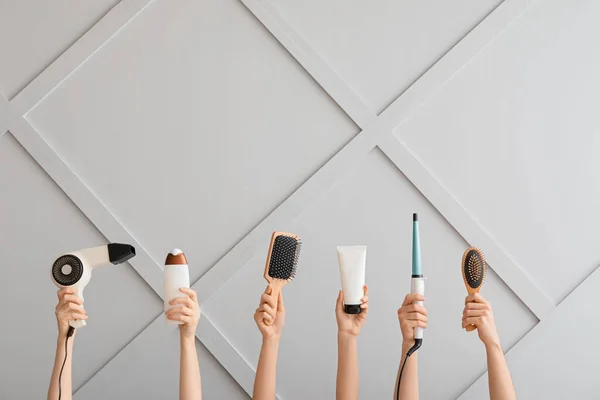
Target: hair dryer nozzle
x: 119, y: 253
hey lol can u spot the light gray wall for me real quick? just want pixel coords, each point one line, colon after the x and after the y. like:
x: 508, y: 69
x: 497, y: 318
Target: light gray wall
x: 206, y: 125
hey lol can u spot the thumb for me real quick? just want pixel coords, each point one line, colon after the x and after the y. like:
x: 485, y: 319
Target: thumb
x: 280, y: 306
x: 269, y: 289
x: 339, y: 305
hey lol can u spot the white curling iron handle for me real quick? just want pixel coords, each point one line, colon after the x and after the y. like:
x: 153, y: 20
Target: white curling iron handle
x: 417, y: 285
x: 78, y: 323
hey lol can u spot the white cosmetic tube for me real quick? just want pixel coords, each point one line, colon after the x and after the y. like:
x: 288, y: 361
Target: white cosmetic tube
x: 352, y: 260
x: 176, y: 275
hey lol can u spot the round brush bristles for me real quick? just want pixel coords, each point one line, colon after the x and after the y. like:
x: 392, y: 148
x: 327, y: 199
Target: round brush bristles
x: 284, y: 257
x: 473, y: 267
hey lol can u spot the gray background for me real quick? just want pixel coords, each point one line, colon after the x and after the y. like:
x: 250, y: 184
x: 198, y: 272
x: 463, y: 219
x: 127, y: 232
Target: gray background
x: 206, y: 125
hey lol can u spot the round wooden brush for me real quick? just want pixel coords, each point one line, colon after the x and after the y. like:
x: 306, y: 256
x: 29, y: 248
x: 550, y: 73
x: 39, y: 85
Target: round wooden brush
x: 282, y: 261
x: 473, y: 272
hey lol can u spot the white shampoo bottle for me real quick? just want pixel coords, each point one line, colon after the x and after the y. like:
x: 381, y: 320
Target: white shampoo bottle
x: 176, y: 275
x: 352, y: 260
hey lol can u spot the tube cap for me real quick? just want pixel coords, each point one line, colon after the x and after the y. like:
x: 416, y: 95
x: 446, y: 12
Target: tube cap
x: 352, y: 308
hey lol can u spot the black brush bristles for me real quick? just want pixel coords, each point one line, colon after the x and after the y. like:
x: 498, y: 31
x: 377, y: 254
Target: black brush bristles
x: 474, y: 268
x: 284, y: 257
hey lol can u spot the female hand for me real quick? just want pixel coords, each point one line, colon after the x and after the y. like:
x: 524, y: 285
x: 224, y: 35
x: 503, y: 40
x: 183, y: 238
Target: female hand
x: 410, y: 316
x: 351, y: 323
x: 69, y: 307
x: 478, y: 312
x: 186, y: 310
x: 271, y: 312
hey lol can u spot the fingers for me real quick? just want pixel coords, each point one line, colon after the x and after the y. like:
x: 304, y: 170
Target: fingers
x: 267, y: 299
x: 268, y: 309
x: 366, y: 290
x: 71, y: 298
x: 471, y: 321
x: 190, y: 293
x: 411, y: 308
x: 476, y: 306
x: 180, y: 310
x: 475, y: 297
x: 415, y: 316
x: 186, y: 301
x: 339, y: 304
x: 414, y: 324
x: 180, y: 317
x: 64, y: 291
x: 412, y: 297
x: 267, y: 317
x: 474, y: 313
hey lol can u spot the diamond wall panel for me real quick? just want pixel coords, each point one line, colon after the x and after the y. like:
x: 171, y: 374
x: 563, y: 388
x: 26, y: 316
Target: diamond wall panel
x: 371, y: 206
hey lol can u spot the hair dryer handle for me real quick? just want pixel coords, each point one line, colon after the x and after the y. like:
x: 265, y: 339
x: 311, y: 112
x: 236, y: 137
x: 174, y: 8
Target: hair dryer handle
x: 77, y: 323
x: 417, y: 285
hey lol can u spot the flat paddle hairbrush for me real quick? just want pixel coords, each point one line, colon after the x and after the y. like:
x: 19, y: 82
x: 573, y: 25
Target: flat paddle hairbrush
x: 473, y: 272
x: 282, y: 262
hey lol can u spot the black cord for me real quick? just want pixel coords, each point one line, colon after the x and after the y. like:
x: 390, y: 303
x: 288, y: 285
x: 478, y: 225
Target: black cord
x: 69, y: 334
x: 415, y: 347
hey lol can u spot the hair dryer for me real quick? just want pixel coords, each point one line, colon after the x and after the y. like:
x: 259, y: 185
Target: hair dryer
x: 74, y: 270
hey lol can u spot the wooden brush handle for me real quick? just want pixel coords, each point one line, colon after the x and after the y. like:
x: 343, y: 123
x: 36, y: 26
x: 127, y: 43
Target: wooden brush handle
x: 276, y: 286
x: 470, y: 328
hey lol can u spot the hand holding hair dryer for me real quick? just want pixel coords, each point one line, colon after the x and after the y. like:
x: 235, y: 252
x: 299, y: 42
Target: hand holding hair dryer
x: 74, y: 269
x: 352, y: 261
x: 176, y: 275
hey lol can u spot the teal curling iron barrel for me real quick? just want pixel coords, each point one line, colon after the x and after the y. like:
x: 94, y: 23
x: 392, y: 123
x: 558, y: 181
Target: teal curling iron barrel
x: 417, y: 284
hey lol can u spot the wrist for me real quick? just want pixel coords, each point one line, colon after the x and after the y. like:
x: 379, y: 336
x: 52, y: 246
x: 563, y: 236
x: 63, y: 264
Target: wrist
x: 343, y: 335
x: 271, y: 340
x: 407, y: 344
x: 492, y: 345
x: 187, y: 340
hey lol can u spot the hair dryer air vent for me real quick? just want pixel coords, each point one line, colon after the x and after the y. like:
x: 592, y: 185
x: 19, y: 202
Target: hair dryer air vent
x: 65, y: 276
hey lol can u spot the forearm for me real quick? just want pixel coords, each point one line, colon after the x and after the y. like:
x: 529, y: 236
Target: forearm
x: 190, y: 387
x: 409, y: 385
x: 266, y: 371
x: 501, y: 386
x: 65, y: 378
x: 347, y: 373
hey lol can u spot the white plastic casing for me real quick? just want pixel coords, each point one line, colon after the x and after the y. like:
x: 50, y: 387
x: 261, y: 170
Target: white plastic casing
x: 175, y: 276
x: 417, y: 285
x: 90, y: 259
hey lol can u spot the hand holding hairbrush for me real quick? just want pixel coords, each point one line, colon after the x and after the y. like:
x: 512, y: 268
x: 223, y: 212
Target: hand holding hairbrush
x: 473, y: 271
x: 282, y: 262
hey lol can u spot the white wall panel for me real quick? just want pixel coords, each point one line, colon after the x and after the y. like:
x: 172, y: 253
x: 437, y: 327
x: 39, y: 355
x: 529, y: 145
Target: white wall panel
x: 372, y: 206
x: 515, y: 137
x: 38, y: 224
x: 381, y: 47
x: 34, y: 32
x: 186, y: 123
x: 154, y: 375
x: 194, y: 119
